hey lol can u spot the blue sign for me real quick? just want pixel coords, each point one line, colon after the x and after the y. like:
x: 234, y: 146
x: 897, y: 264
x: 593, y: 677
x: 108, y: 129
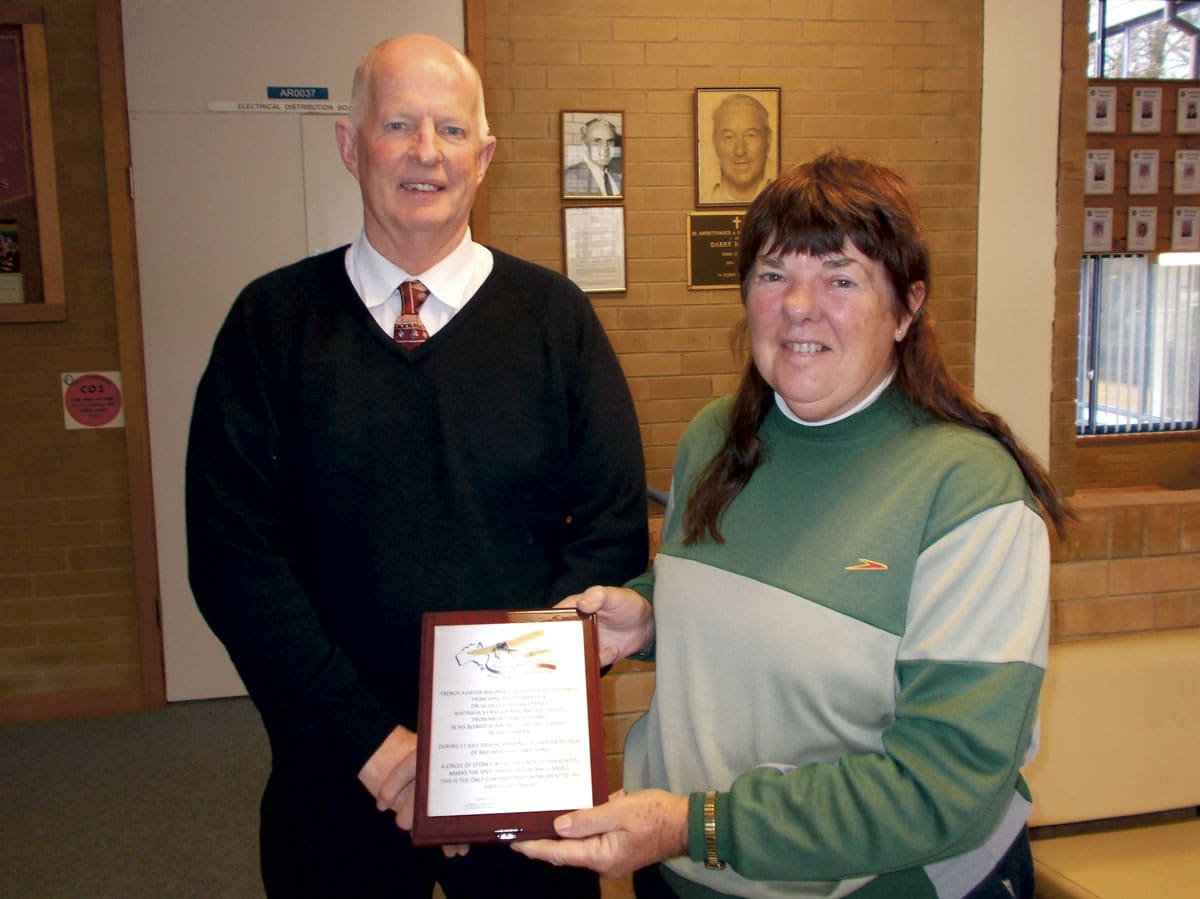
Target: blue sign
x: 297, y: 93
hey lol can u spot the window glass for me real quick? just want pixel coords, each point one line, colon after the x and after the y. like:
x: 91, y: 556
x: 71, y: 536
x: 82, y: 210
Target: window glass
x: 1139, y: 345
x: 1143, y: 39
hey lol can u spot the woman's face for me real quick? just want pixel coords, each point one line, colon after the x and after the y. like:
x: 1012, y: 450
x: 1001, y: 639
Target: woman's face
x: 823, y: 330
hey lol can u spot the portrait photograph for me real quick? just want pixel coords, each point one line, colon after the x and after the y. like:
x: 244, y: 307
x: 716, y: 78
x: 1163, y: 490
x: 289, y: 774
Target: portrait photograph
x: 737, y: 144
x: 592, y: 155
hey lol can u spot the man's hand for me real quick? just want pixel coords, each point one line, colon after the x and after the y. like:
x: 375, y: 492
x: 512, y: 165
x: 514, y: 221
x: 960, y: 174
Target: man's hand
x: 626, y: 620
x: 628, y: 832
x: 390, y: 775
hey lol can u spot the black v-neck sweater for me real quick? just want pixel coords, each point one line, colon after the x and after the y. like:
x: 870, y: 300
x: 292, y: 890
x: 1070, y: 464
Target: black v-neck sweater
x: 338, y: 486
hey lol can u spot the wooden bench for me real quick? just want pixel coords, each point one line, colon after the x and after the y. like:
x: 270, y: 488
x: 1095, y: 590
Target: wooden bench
x: 1116, y: 781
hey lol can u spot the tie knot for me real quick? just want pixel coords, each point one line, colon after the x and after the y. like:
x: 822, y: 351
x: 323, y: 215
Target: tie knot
x: 412, y: 295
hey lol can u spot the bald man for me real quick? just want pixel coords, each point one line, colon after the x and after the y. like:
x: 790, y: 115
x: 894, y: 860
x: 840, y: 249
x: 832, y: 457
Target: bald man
x: 413, y: 422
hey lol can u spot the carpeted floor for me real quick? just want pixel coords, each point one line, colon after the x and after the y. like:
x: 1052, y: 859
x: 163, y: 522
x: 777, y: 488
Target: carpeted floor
x: 154, y: 804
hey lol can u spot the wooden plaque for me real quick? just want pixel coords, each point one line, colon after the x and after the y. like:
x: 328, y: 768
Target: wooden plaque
x: 510, y: 729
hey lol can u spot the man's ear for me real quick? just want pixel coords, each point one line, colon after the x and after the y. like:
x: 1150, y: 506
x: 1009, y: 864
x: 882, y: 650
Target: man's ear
x: 347, y: 141
x: 486, y: 152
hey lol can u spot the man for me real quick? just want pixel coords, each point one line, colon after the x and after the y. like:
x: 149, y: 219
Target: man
x: 741, y: 137
x: 599, y: 172
x: 358, y: 457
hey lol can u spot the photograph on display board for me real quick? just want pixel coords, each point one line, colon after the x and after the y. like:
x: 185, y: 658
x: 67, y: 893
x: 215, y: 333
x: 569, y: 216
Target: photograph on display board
x: 1097, y: 230
x: 1143, y: 172
x: 1184, y: 233
x: 1141, y: 231
x: 1187, y: 172
x: 1102, y: 110
x: 1145, y: 115
x: 1098, y: 172
x: 1187, y: 114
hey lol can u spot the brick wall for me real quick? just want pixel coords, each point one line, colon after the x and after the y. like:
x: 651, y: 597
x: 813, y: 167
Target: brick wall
x: 1131, y: 563
x: 897, y: 81
x: 67, y: 611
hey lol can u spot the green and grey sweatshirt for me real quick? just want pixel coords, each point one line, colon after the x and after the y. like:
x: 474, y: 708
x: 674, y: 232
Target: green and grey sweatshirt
x: 856, y: 668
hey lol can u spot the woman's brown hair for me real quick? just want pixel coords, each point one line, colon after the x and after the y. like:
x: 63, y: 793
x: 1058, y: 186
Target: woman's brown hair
x: 814, y: 208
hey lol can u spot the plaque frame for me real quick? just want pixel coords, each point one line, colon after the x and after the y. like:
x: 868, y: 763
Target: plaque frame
x: 712, y: 250
x: 493, y: 827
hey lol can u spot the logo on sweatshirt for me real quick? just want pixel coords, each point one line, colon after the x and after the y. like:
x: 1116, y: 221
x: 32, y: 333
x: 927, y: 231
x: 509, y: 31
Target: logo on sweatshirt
x: 867, y: 565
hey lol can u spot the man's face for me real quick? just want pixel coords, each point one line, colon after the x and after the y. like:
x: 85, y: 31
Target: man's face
x: 741, y: 137
x: 416, y: 150
x: 600, y: 138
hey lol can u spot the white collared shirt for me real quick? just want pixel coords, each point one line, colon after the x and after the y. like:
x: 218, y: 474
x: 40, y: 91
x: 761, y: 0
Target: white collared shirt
x: 452, y: 281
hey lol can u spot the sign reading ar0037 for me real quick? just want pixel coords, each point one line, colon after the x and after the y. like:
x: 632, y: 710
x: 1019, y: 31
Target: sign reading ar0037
x: 92, y: 400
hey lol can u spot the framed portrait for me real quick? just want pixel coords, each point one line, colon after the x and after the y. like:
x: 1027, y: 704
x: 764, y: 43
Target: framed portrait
x: 737, y: 144
x: 593, y: 155
x: 594, y: 239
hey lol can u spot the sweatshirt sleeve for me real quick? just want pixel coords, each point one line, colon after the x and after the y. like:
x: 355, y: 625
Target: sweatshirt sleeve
x: 967, y: 675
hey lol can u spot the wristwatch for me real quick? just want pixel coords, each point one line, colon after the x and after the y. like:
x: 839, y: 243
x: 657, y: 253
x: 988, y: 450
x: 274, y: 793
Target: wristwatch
x: 711, y: 861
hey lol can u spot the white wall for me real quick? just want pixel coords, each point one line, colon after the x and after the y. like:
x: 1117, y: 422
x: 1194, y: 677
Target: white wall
x: 1022, y: 72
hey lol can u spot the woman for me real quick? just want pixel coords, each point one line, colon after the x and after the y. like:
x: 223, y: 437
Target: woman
x: 850, y: 611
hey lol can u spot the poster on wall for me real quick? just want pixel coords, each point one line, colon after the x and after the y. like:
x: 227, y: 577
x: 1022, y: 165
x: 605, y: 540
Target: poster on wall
x: 1140, y: 234
x: 1097, y: 230
x: 1098, y: 172
x: 1143, y: 172
x: 1185, y: 234
x: 1187, y: 113
x: 1101, y: 110
x: 1145, y: 116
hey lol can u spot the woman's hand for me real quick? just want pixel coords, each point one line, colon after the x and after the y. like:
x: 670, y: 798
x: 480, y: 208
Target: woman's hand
x: 628, y: 832
x: 626, y: 620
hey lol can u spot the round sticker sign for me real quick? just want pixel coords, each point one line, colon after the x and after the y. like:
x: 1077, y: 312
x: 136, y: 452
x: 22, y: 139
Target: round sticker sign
x: 92, y: 400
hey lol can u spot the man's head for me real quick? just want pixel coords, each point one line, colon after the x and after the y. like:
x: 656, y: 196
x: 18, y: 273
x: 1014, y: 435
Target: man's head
x: 741, y: 137
x: 599, y: 137
x: 417, y: 141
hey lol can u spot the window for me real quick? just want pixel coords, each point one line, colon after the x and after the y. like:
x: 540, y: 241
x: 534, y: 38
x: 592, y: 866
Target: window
x: 1143, y: 39
x: 1139, y: 345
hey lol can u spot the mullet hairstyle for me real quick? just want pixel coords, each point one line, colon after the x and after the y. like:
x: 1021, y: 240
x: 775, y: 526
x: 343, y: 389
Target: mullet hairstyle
x: 815, y: 208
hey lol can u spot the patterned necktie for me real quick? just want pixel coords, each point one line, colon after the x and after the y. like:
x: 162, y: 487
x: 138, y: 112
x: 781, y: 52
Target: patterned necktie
x: 409, y: 332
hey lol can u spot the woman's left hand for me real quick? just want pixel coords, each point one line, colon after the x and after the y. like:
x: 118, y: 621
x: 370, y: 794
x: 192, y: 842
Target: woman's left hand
x: 628, y: 832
